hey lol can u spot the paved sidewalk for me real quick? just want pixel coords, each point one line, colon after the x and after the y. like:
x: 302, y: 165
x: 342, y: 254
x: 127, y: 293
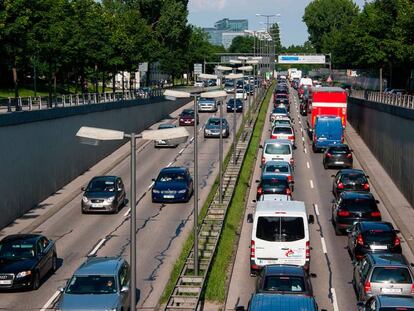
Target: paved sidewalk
x: 398, y: 207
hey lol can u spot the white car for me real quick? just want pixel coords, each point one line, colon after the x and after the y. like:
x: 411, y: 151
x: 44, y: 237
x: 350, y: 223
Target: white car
x: 241, y: 94
x: 277, y: 113
x: 277, y: 150
x: 199, y: 84
x: 283, y: 132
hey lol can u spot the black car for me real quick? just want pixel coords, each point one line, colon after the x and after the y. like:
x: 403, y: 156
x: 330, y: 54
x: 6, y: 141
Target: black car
x: 249, y: 89
x: 25, y: 259
x: 284, y: 279
x: 371, y: 237
x: 173, y: 184
x: 338, y: 156
x: 104, y: 194
x: 273, y: 184
x: 349, y: 180
x: 351, y: 207
x: 231, y: 106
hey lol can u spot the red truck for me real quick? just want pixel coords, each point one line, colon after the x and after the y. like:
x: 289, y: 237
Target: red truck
x: 327, y: 101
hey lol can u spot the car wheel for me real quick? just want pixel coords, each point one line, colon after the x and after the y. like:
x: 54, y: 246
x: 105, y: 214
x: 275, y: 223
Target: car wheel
x: 115, y: 209
x: 36, y: 281
x: 325, y: 166
x: 54, y: 263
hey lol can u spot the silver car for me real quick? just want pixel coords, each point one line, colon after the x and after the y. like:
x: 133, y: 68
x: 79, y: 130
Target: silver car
x: 212, y: 128
x: 382, y: 274
x: 166, y: 142
x: 207, y: 105
x: 101, y: 283
x: 387, y: 302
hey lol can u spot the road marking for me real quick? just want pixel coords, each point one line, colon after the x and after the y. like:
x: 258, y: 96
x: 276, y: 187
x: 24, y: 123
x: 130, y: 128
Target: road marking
x: 127, y: 212
x: 305, y: 150
x: 307, y: 164
x: 303, y: 138
x: 49, y: 302
x: 169, y: 164
x: 93, y: 252
x: 324, y: 245
x: 311, y: 183
x: 181, y: 151
x: 334, y: 300
x: 191, y: 140
x: 316, y: 209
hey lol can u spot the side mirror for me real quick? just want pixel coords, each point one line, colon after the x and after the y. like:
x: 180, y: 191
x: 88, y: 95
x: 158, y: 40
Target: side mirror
x: 292, y: 182
x: 153, y: 179
x: 367, y: 177
x: 348, y: 230
x: 312, y: 275
x: 257, y: 181
x: 240, y: 308
x: 311, y: 219
x: 254, y: 201
x: 351, y: 150
x: 83, y: 188
x: 411, y: 264
x: 261, y: 146
x: 120, y: 189
x: 333, y: 201
x: 249, y: 218
x: 332, y: 176
x: 124, y: 289
x: 360, y: 304
x: 61, y: 289
x: 376, y: 201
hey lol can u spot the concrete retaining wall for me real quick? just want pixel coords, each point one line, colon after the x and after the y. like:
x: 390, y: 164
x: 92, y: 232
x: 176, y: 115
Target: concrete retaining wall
x: 388, y: 131
x: 40, y: 153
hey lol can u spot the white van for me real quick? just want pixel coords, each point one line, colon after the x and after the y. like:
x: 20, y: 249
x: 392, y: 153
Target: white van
x: 305, y: 81
x: 277, y: 150
x: 280, y: 234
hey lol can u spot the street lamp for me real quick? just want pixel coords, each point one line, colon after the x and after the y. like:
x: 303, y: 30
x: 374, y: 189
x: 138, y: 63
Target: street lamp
x: 93, y: 136
x: 234, y: 77
x: 248, y: 69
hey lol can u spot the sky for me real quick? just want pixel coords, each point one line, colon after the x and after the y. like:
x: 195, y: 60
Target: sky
x: 205, y: 13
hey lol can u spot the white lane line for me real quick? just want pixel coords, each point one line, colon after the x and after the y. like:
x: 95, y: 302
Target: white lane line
x: 191, y: 140
x: 334, y: 300
x: 316, y: 209
x: 311, y: 183
x: 150, y: 186
x: 305, y: 150
x: 307, y: 164
x: 323, y: 245
x: 93, y: 252
x: 303, y: 138
x: 169, y: 164
x: 127, y: 212
x: 181, y: 151
x: 49, y: 302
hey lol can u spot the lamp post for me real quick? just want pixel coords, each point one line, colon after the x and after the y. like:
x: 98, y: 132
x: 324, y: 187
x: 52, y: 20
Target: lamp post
x: 93, y: 136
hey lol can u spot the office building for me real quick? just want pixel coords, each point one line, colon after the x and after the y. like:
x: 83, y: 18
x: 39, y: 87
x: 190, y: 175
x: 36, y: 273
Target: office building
x: 225, y: 30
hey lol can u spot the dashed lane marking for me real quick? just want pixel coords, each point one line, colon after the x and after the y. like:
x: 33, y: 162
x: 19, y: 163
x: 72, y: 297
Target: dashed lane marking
x: 307, y: 164
x: 181, y: 151
x: 325, y: 251
x: 334, y: 300
x: 93, y: 252
x: 311, y: 183
x: 49, y: 302
x: 305, y: 150
x: 127, y: 212
x: 169, y: 164
x: 150, y: 186
x: 316, y: 209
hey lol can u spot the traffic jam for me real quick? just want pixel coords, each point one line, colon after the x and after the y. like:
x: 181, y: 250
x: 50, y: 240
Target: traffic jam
x: 280, y: 246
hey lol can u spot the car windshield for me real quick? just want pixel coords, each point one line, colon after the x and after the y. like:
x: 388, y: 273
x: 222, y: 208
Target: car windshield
x: 101, y: 185
x: 359, y: 205
x: 282, y: 122
x: 281, y: 96
x: 338, y: 150
x: 284, y: 283
x: 215, y: 122
x: 165, y: 126
x: 17, y: 249
x: 280, y: 229
x: 240, y: 91
x: 171, y: 177
x: 356, y: 178
x: 231, y: 102
x: 277, y: 149
x: 393, y: 275
x: 378, y: 236
x: 276, y: 168
x: 282, y: 130
x: 229, y: 84
x: 91, y: 285
x: 280, y: 110
x: 189, y: 113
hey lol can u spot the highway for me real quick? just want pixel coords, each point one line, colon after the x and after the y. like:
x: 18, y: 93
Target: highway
x: 330, y: 260
x: 162, y: 229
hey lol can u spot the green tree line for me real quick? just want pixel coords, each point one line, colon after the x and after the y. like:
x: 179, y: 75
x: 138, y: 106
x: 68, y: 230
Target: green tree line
x: 74, y: 41
x: 378, y: 36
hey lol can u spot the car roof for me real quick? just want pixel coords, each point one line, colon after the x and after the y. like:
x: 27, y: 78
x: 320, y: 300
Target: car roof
x: 347, y: 195
x: 330, y: 89
x: 166, y: 125
x: 105, y: 177
x: 262, y: 302
x: 278, y: 141
x: 173, y: 169
x: 282, y: 126
x: 351, y: 171
x: 338, y: 146
x: 388, y: 259
x: 292, y: 270
x: 279, y: 163
x: 376, y: 225
x: 395, y: 301
x: 188, y: 110
x: 18, y: 237
x: 269, y: 207
x: 100, y: 265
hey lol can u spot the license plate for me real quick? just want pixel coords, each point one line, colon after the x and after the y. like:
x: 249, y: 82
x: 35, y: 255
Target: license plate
x: 268, y: 262
x: 377, y: 247
x: 5, y: 282
x: 391, y: 290
x: 168, y: 196
x: 322, y: 138
x: 339, y: 162
x: 97, y: 205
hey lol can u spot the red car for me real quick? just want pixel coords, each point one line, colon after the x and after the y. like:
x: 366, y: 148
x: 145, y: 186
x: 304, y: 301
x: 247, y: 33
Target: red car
x: 186, y: 117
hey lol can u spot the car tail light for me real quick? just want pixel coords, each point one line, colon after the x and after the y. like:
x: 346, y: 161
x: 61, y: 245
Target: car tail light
x: 273, y: 136
x: 367, y: 287
x: 376, y: 214
x: 366, y: 186
x: 342, y: 213
x: 412, y: 288
x: 340, y: 186
x: 349, y: 155
x: 288, y: 191
x: 307, y: 250
x: 252, y: 249
x: 259, y: 190
x: 328, y: 155
x: 342, y: 139
x: 263, y: 160
x: 290, y: 178
x: 292, y: 162
x: 291, y: 137
x: 397, y: 242
x: 360, y: 240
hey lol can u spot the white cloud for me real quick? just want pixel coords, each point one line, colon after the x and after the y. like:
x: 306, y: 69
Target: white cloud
x: 201, y: 5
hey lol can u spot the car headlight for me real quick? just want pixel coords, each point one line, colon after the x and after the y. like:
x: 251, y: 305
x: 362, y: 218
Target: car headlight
x: 155, y: 191
x: 110, y: 199
x: 23, y: 274
x: 85, y: 199
x: 113, y: 309
x: 182, y: 191
x: 208, y: 131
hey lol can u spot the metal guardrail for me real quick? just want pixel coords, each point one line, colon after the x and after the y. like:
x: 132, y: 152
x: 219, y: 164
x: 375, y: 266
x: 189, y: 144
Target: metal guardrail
x: 42, y: 102
x: 405, y: 101
x: 188, y: 289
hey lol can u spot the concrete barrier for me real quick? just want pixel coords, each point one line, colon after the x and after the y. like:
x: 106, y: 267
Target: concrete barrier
x: 388, y: 131
x: 40, y: 153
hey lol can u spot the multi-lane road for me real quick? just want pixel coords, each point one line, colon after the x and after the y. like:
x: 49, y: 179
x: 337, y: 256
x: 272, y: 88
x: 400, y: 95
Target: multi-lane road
x: 161, y: 229
x: 330, y: 260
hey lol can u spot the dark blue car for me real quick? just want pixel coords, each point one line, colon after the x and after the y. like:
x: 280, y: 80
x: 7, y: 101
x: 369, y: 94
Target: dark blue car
x: 173, y: 184
x: 231, y: 106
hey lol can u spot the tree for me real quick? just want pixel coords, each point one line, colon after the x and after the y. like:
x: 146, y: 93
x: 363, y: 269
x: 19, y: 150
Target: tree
x: 322, y: 17
x: 275, y: 34
x: 242, y: 44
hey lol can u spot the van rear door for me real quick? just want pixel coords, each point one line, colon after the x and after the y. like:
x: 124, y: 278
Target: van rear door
x: 281, y: 240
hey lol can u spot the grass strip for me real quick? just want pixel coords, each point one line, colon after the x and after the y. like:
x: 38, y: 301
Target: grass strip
x: 217, y: 278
